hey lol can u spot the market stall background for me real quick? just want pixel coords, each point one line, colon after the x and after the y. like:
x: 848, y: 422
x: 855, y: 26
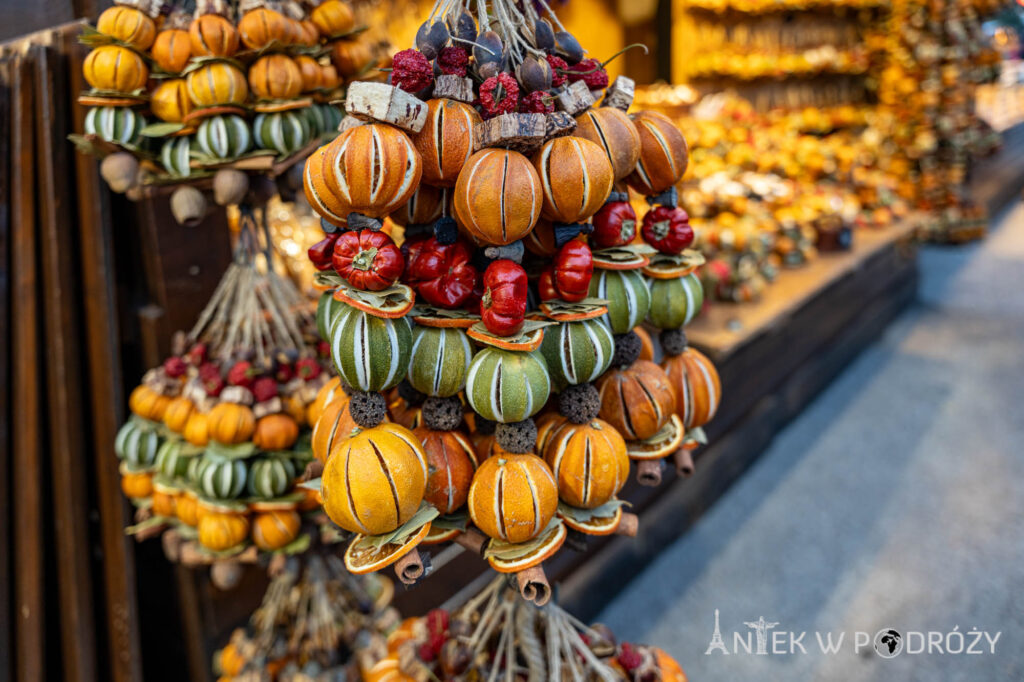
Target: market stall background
x: 78, y: 337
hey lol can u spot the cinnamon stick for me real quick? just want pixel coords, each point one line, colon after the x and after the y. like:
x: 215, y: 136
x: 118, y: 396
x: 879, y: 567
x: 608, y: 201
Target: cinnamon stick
x: 648, y: 472
x: 533, y: 585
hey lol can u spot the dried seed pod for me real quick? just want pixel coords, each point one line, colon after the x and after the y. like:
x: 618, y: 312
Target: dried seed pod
x: 120, y: 170
x: 229, y: 186
x: 431, y: 37
x: 488, y: 49
x: 188, y: 205
x: 567, y: 47
x: 534, y: 74
x: 544, y: 35
x: 463, y: 27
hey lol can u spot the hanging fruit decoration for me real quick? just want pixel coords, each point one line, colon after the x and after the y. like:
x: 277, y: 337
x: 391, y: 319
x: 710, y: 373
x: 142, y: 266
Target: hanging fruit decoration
x: 316, y: 619
x: 496, y: 636
x: 229, y: 91
x: 218, y: 438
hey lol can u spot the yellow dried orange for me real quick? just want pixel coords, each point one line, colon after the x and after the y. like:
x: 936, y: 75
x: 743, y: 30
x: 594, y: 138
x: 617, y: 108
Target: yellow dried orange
x: 513, y: 497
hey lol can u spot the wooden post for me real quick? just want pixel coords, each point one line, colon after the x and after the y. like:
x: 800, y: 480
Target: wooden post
x: 30, y: 624
x: 64, y: 423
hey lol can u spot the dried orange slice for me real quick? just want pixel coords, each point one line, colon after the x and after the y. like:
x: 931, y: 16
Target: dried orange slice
x: 535, y: 552
x: 206, y: 112
x: 362, y: 556
x: 569, y: 312
x: 598, y: 525
x: 634, y: 263
x: 390, y: 306
x: 666, y: 270
x: 438, y: 535
x: 429, y: 316
x: 662, y: 444
x: 282, y: 105
x: 527, y: 341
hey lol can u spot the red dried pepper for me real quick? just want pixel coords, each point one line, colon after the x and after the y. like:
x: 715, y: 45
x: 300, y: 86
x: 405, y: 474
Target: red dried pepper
x: 503, y: 306
x: 368, y: 260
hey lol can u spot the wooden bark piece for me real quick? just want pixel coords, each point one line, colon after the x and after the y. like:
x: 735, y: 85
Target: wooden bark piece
x: 386, y: 104
x: 559, y: 123
x: 575, y: 99
x: 620, y: 94
x: 521, y: 132
x: 454, y: 87
x: 349, y: 122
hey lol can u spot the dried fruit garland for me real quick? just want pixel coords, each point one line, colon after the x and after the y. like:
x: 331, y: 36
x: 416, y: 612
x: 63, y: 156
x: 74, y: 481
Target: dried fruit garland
x: 314, y: 615
x: 229, y: 98
x: 497, y: 636
x: 217, y: 439
x: 502, y: 199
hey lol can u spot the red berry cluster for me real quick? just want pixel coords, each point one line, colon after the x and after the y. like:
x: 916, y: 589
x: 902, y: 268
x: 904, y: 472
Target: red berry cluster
x: 590, y: 72
x: 411, y: 71
x: 263, y: 380
x: 537, y: 103
x: 437, y: 635
x: 558, y: 67
x: 453, y: 61
x: 499, y: 94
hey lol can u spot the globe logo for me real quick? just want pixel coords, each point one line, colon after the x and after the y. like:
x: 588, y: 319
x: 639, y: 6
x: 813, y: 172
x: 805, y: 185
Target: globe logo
x: 888, y: 643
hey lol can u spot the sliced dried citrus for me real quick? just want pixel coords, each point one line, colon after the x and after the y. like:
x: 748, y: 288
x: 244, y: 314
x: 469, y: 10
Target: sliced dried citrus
x: 598, y: 525
x: 429, y: 316
x: 206, y: 112
x: 662, y: 444
x: 362, y: 556
x: 388, y: 307
x: 282, y: 105
x: 438, y: 535
x: 281, y: 504
x: 570, y: 312
x: 666, y: 270
x: 541, y: 549
x: 634, y: 263
x: 528, y: 341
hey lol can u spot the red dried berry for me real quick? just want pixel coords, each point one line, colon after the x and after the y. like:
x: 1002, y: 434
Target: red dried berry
x: 437, y: 621
x: 196, y: 355
x: 629, y: 658
x: 175, y: 367
x: 307, y: 368
x: 590, y: 72
x: 242, y: 373
x: 208, y: 370
x: 264, y: 389
x: 537, y: 103
x: 411, y: 71
x: 499, y: 94
x: 323, y: 349
x: 213, y: 385
x: 426, y: 653
x: 453, y: 61
x: 558, y: 66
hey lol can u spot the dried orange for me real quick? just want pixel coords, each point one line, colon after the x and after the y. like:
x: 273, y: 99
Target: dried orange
x: 374, y: 481
x: 513, y: 497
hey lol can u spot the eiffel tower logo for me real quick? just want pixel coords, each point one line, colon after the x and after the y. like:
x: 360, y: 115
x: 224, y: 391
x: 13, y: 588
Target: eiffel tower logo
x: 716, y: 640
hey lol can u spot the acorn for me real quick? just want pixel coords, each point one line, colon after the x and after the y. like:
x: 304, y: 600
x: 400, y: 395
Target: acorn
x: 431, y: 37
x: 544, y: 35
x: 188, y: 205
x: 229, y: 186
x: 534, y: 74
x: 568, y: 48
x: 121, y: 171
